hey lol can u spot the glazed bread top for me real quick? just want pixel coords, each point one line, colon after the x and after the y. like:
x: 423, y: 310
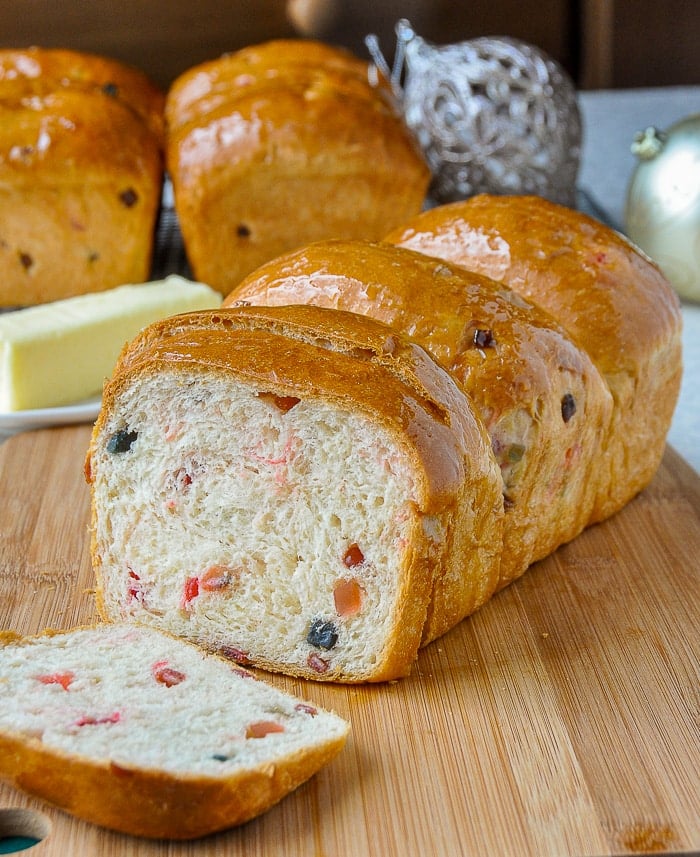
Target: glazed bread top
x: 34, y: 73
x: 610, y: 297
x: 68, y: 116
x: 293, y: 100
x: 209, y: 85
x: 438, y: 304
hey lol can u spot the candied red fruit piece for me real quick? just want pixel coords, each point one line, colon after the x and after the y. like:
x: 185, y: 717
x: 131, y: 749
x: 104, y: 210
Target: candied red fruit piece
x: 317, y: 663
x: 261, y: 728
x: 190, y: 592
x: 216, y: 577
x: 238, y: 655
x: 91, y: 720
x: 347, y: 596
x: 64, y: 678
x: 306, y: 709
x: 166, y: 675
x: 133, y: 591
x: 353, y: 556
x: 241, y: 673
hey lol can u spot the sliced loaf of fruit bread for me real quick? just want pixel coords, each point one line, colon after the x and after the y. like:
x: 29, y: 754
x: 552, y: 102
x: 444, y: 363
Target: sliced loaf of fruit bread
x: 302, y: 486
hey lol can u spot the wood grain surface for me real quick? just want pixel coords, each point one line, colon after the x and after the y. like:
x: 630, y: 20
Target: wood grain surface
x: 562, y: 719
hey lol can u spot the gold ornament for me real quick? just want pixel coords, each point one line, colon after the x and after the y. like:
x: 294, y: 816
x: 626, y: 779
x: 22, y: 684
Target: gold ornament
x: 662, y: 213
x: 492, y: 114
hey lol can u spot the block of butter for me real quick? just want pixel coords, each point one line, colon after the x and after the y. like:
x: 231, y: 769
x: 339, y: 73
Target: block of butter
x: 60, y: 353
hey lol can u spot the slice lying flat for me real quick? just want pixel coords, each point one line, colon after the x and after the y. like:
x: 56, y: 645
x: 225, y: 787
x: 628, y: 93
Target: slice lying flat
x: 137, y: 731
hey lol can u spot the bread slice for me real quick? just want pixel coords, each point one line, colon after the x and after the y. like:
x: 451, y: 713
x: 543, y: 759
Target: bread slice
x: 609, y: 296
x: 134, y: 730
x: 303, y: 486
x: 538, y: 394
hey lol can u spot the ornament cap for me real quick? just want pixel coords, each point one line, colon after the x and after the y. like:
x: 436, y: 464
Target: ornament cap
x: 648, y: 143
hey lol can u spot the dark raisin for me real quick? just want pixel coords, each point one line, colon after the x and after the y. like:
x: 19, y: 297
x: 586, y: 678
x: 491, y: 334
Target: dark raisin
x: 129, y: 197
x: 26, y: 260
x: 322, y: 634
x: 568, y: 407
x: 121, y: 441
x: 508, y: 503
x: 243, y: 231
x: 219, y: 757
x: 111, y: 89
x: 484, y: 338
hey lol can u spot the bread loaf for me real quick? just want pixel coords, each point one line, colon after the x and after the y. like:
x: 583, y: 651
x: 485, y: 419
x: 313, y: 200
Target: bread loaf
x: 539, y: 396
x: 304, y: 487
x: 281, y: 144
x: 606, y: 293
x: 81, y: 160
x: 134, y: 730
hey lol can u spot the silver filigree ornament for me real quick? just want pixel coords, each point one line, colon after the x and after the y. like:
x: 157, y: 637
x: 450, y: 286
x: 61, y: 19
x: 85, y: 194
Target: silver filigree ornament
x: 492, y: 115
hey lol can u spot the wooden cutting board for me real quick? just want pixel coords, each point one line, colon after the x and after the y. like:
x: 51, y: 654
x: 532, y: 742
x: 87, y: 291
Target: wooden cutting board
x: 562, y: 719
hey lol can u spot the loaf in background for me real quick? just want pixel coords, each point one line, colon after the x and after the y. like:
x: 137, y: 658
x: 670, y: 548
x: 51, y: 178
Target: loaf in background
x: 281, y: 144
x: 81, y: 164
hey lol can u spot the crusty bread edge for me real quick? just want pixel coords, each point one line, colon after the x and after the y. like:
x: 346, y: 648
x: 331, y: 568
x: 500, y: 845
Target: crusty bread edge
x: 148, y: 803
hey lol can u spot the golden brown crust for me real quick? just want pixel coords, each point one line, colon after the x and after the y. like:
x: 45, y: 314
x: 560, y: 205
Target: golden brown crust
x: 80, y: 174
x: 36, y: 72
x: 284, y: 127
x: 209, y: 84
x: 606, y: 293
x: 149, y: 803
x: 516, y: 377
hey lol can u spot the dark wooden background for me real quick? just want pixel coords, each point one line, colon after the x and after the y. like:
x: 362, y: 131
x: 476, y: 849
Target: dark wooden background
x: 601, y: 43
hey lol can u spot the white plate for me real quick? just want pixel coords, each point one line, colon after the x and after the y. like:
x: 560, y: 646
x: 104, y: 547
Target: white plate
x: 81, y: 412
